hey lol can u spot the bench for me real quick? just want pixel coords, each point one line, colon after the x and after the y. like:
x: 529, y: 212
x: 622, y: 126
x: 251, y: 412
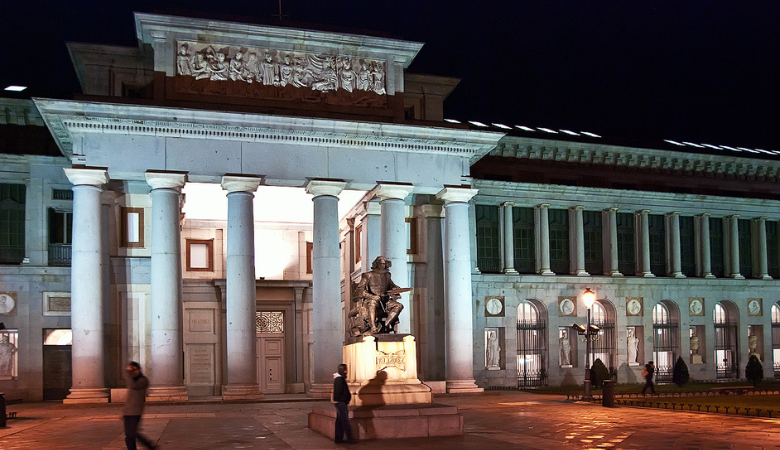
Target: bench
x: 739, y: 390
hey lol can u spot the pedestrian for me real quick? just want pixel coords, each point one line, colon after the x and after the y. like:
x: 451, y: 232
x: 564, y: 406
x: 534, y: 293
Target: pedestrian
x: 341, y: 398
x: 137, y: 384
x: 647, y: 372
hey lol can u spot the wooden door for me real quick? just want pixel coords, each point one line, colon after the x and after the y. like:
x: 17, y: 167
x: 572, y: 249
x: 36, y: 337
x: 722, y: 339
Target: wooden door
x: 270, y: 356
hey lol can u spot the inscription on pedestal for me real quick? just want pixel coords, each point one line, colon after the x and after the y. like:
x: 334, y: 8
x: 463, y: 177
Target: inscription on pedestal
x: 201, y: 321
x: 201, y: 364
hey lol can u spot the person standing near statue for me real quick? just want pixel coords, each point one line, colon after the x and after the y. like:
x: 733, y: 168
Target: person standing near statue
x: 137, y: 384
x: 341, y: 399
x: 647, y: 372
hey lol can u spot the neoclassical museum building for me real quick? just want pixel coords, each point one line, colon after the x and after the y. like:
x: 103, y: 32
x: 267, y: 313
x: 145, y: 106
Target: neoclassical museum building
x: 206, y: 205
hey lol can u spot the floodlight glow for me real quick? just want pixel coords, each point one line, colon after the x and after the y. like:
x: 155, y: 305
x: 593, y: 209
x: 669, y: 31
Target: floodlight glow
x: 501, y: 125
x: 730, y: 148
x: 479, y: 124
x: 692, y: 144
x: 712, y: 146
x: 589, y: 297
x: 764, y: 151
x: 14, y: 88
x: 570, y: 132
x: 524, y: 128
x: 750, y: 150
x: 674, y: 142
x: 776, y: 152
x: 452, y: 120
x: 588, y: 133
x: 547, y: 130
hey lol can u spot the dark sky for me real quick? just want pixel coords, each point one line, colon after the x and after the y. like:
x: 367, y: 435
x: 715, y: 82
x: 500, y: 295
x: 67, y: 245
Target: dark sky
x: 704, y: 71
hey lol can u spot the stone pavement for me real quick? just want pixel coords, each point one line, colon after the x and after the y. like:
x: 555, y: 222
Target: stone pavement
x: 493, y: 420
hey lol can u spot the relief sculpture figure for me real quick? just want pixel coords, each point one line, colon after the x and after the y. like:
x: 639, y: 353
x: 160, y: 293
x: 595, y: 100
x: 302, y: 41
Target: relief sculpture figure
x: 493, y: 350
x: 7, y: 351
x: 376, y: 297
x: 183, y: 61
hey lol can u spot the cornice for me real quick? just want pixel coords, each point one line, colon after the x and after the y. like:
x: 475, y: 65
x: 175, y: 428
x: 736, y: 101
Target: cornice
x: 639, y: 158
x: 67, y: 119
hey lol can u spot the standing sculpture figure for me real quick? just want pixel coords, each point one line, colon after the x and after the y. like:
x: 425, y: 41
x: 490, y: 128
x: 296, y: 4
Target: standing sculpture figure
x: 633, y: 346
x: 376, y: 298
x: 565, y: 349
x: 7, y: 352
x: 493, y: 350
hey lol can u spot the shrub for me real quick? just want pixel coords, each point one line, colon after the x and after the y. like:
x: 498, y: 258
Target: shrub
x: 754, y: 371
x: 680, y: 374
x: 598, y: 373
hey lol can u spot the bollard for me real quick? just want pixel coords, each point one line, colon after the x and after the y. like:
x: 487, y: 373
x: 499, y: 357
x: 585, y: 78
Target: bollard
x: 2, y: 410
x: 608, y: 394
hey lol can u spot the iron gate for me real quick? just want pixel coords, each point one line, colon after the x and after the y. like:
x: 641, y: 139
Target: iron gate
x: 665, y: 349
x: 726, y: 350
x: 531, y: 353
x: 604, y: 347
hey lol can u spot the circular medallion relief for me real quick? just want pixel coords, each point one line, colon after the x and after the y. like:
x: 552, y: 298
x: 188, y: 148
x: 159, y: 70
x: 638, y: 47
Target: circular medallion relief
x: 566, y: 307
x: 494, y: 306
x: 754, y: 307
x: 696, y: 307
x: 634, y: 307
x: 6, y: 303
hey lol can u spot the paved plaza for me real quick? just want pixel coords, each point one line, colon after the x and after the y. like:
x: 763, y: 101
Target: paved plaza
x: 493, y: 420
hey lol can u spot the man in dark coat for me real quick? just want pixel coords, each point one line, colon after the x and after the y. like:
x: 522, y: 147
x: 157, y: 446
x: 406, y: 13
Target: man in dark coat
x: 137, y: 384
x: 341, y: 398
x: 648, y: 373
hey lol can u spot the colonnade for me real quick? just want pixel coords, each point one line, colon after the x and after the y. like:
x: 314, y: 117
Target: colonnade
x: 642, y: 243
x: 166, y: 294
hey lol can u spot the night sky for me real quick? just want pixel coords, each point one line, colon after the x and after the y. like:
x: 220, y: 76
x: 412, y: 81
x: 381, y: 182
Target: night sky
x: 700, y: 71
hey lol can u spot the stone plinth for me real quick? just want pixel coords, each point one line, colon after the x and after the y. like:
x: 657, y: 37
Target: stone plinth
x: 167, y: 394
x: 391, y: 421
x: 241, y: 392
x: 86, y: 395
x: 383, y: 371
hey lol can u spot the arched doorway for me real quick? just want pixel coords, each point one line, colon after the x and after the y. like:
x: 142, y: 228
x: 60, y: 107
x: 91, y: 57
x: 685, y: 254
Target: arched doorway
x: 531, y: 346
x: 666, y: 345
x: 603, y: 347
x: 726, y: 354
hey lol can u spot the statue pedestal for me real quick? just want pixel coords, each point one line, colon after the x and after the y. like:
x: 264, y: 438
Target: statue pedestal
x: 696, y: 359
x: 388, y: 401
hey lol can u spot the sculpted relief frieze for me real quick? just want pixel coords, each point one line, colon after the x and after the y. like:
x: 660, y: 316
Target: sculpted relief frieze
x: 273, y: 74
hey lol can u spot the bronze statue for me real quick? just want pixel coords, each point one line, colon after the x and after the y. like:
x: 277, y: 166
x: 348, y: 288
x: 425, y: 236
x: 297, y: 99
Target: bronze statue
x: 376, y: 297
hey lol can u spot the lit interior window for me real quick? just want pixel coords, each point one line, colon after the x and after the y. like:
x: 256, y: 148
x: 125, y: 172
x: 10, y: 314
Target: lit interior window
x: 524, y: 128
x: 570, y: 132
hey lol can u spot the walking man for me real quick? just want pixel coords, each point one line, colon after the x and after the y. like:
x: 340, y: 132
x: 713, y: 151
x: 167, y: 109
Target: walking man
x: 341, y: 398
x: 647, y: 372
x: 137, y: 384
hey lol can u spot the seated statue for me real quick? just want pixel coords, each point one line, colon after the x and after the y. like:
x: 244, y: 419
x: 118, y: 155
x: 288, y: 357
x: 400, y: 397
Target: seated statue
x: 376, y: 297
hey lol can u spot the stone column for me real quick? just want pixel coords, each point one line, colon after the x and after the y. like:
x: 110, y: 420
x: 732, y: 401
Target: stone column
x: 732, y: 223
x: 704, y: 243
x: 241, y: 290
x: 326, y: 285
x: 86, y: 322
x: 372, y: 234
x: 763, y: 265
x: 393, y: 242
x: 509, y: 238
x: 300, y: 347
x: 167, y: 348
x: 673, y: 219
x: 543, y: 236
x: 579, y: 241
x: 459, y: 354
x: 644, y: 243
x: 611, y: 238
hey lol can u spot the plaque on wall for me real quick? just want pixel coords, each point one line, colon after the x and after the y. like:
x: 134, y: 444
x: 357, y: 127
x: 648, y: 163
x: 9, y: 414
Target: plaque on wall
x: 567, y: 306
x: 754, y: 307
x: 8, y: 303
x: 494, y: 306
x: 634, y: 306
x: 201, y: 320
x: 200, y: 364
x: 56, y: 303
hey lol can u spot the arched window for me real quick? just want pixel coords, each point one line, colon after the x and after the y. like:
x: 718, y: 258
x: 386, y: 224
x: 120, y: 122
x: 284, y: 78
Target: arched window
x: 598, y: 313
x: 603, y: 348
x: 725, y: 343
x: 531, y: 345
x: 665, y: 346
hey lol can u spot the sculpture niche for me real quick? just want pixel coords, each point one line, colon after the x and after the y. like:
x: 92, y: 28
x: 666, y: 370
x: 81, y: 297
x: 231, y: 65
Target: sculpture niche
x: 376, y: 298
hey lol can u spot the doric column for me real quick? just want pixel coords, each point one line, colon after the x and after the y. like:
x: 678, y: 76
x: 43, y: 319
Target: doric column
x: 760, y: 246
x: 393, y: 242
x: 612, y: 247
x: 509, y: 238
x: 86, y: 291
x: 543, y: 236
x: 732, y: 227
x: 704, y: 244
x: 372, y: 234
x: 675, y: 269
x: 459, y: 354
x: 579, y: 241
x: 326, y: 284
x: 167, y: 349
x: 241, y: 289
x: 644, y: 243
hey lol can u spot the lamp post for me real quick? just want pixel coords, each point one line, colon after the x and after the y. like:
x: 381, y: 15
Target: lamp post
x: 591, y: 333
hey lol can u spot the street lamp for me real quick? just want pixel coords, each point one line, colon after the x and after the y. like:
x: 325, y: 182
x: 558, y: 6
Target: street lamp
x: 591, y: 333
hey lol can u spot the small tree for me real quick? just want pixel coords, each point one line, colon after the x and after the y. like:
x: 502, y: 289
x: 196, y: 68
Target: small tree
x: 754, y: 371
x: 598, y: 373
x: 680, y: 374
